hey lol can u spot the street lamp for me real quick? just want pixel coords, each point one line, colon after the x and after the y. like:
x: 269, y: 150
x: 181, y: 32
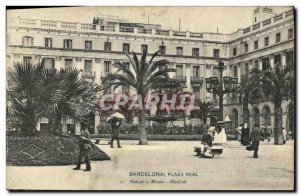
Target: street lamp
x: 221, y: 85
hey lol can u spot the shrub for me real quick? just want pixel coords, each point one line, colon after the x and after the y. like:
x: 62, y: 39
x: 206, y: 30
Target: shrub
x: 46, y: 149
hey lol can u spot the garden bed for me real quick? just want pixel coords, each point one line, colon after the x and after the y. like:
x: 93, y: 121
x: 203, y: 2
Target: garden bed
x: 158, y: 137
x: 46, y: 150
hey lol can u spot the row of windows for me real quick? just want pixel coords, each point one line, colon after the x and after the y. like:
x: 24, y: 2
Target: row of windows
x: 50, y: 63
x: 266, y: 42
x: 67, y: 44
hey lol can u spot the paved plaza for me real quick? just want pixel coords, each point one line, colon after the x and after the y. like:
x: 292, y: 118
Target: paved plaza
x: 168, y: 165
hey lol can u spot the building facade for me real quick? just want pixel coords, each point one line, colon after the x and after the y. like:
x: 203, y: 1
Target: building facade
x: 93, y: 48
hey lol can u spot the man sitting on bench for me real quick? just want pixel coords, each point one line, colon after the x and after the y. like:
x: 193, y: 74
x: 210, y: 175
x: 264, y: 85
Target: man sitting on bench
x: 206, y: 143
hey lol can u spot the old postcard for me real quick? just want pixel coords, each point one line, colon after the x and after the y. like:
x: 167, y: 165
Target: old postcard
x: 150, y: 98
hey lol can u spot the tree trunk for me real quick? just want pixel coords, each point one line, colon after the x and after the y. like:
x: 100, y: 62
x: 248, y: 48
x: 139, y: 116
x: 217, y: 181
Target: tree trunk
x: 278, y: 137
x: 245, y: 109
x: 142, y: 129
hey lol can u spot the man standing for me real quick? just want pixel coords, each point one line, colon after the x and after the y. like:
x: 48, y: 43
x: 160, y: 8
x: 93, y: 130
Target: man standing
x: 255, y: 137
x: 245, y: 135
x: 269, y: 132
x: 115, y: 124
x: 85, y: 148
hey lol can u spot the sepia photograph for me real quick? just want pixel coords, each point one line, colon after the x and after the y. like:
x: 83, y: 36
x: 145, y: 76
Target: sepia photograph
x: 151, y: 98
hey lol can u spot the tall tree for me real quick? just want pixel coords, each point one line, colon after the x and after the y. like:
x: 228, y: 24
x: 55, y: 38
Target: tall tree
x: 24, y: 84
x: 36, y: 93
x: 143, y: 79
x: 273, y: 83
x: 206, y: 110
x: 244, y: 91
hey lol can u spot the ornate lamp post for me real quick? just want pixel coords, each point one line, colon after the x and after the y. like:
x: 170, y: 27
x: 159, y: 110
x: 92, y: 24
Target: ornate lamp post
x: 221, y: 85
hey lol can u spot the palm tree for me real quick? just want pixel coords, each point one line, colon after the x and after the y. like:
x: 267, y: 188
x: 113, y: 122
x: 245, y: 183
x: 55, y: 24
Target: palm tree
x: 206, y: 110
x: 24, y: 84
x: 273, y: 83
x: 244, y: 90
x: 143, y: 79
x: 75, y: 99
x: 37, y: 93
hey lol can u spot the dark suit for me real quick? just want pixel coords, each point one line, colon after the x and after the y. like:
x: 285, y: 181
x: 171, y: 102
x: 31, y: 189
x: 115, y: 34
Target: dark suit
x: 255, y: 137
x: 115, y: 133
x: 84, y: 150
x: 245, y: 136
x: 207, y: 139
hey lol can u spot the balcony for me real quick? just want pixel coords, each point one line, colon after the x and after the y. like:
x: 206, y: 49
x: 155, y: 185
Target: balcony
x: 162, y: 32
x: 256, y: 26
x: 196, y: 35
x: 180, y: 78
x: 107, y: 28
x: 145, y: 31
x: 196, y: 80
x: 180, y: 33
x: 126, y: 29
x: 89, y: 74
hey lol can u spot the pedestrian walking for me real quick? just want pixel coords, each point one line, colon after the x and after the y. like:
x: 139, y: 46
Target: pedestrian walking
x: 115, y: 124
x: 269, y: 132
x: 284, y: 133
x: 245, y: 135
x: 84, y: 150
x: 263, y: 132
x: 255, y: 138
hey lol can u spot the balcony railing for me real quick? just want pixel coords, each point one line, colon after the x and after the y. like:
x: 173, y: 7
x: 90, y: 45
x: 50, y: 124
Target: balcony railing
x: 256, y: 26
x: 126, y: 29
x: 145, y: 31
x: 89, y: 74
x: 162, y: 32
x: 25, y: 21
x: 107, y: 28
x: 197, y: 35
x: 196, y: 79
x: 278, y: 17
x: 267, y: 22
x: 180, y: 78
x: 68, y: 25
x: 88, y: 26
x: 247, y: 30
x: 48, y: 23
x: 180, y: 33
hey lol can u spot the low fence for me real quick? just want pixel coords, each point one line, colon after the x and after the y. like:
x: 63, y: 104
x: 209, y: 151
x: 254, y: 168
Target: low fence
x: 156, y: 137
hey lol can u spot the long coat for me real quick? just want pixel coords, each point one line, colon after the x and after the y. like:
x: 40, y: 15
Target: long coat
x: 245, y: 136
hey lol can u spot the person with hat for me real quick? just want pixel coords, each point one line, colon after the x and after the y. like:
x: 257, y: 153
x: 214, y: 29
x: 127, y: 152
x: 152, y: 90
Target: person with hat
x: 263, y: 132
x: 255, y: 137
x: 84, y: 150
x: 245, y: 135
x: 269, y: 132
x: 206, y: 143
x: 115, y: 125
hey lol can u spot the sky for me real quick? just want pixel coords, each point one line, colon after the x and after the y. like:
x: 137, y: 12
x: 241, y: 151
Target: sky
x: 194, y: 19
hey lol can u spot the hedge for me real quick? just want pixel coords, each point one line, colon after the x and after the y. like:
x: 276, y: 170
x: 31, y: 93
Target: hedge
x: 157, y: 137
x: 46, y: 150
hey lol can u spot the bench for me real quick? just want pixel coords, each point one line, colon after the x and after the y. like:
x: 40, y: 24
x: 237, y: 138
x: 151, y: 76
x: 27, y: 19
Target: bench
x: 215, y: 150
